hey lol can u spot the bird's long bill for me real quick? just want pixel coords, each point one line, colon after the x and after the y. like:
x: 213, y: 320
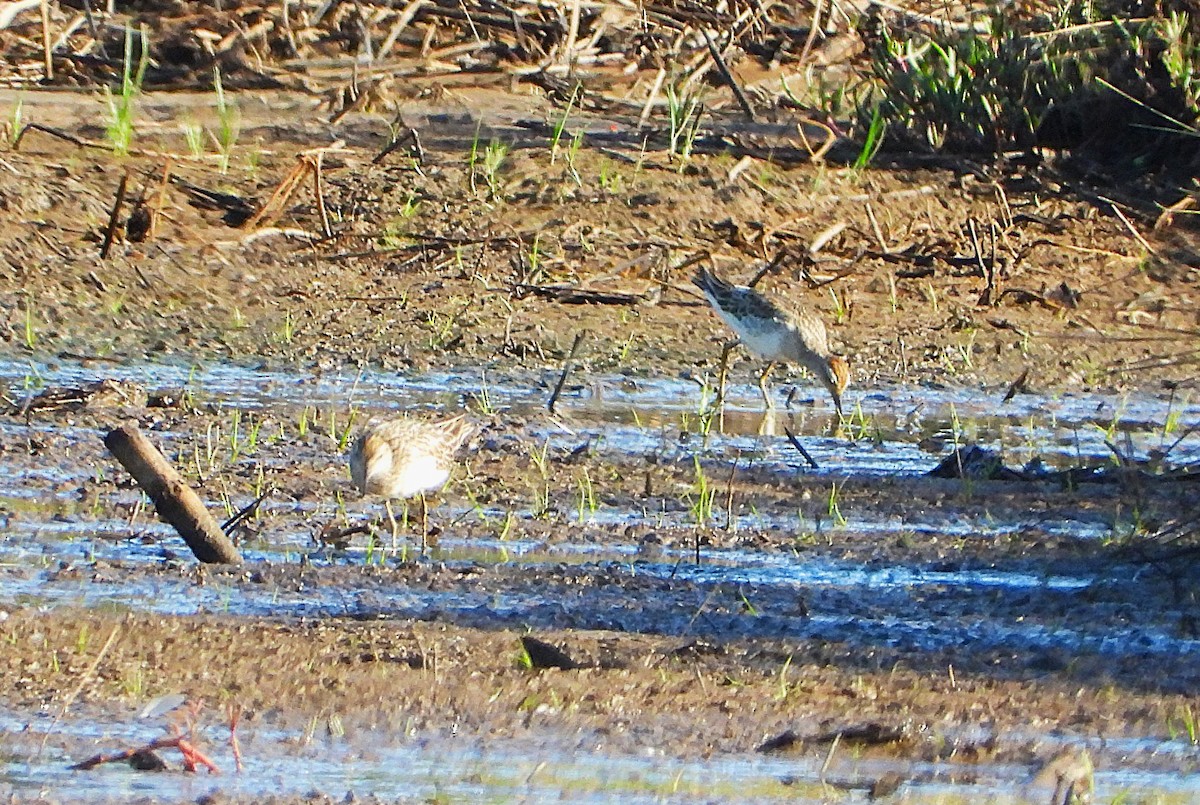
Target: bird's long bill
x: 841, y: 378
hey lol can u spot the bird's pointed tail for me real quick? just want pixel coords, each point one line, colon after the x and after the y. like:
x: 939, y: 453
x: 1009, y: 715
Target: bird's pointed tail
x: 710, y: 283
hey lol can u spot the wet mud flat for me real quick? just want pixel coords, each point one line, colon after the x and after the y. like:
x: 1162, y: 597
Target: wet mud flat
x: 958, y: 635
x: 718, y: 618
x: 392, y: 690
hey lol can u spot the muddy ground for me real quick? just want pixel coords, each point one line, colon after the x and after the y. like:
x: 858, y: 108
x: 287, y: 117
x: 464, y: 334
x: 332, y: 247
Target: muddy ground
x: 430, y: 266
x: 437, y: 266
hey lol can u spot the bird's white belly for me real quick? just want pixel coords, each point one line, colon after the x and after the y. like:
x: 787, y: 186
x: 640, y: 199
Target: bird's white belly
x: 764, y: 338
x: 423, y: 474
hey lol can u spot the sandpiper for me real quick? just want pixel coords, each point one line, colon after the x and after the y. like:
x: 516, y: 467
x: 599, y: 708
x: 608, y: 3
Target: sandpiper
x: 776, y: 335
x: 407, y: 457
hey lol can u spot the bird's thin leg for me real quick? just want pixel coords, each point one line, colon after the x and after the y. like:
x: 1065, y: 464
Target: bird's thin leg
x: 387, y: 504
x: 762, y: 385
x: 424, y: 522
x: 723, y: 372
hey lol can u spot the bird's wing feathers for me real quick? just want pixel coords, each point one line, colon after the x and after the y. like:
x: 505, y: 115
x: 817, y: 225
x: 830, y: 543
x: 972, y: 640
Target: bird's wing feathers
x: 743, y: 307
x: 736, y: 300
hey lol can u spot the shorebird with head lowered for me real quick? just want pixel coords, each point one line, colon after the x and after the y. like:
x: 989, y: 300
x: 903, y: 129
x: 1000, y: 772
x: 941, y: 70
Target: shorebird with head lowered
x: 776, y: 335
x: 407, y: 457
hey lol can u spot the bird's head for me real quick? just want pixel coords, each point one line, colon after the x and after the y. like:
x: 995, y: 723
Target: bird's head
x: 836, y: 377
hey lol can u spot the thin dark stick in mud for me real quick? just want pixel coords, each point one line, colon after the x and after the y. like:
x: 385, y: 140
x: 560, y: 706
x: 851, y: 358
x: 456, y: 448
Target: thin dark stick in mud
x: 410, y: 136
x: 723, y: 69
x: 768, y: 268
x: 566, y: 370
x: 95, y: 33
x: 178, y: 504
x: 700, y: 610
x: 1123, y: 460
x: 796, y: 444
x: 248, y: 511
x: 729, y: 495
x: 1018, y: 387
x: 62, y: 135
x: 1182, y: 436
x: 110, y: 231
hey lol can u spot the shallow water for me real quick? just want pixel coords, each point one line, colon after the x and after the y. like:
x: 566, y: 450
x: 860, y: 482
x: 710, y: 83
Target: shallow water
x: 57, y: 548
x: 1068, y: 428
x: 577, y: 768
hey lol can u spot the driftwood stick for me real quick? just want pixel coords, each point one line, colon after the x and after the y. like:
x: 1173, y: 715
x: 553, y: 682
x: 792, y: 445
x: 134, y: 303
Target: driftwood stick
x: 175, y: 501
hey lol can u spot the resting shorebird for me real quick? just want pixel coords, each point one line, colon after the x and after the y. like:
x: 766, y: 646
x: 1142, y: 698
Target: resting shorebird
x: 405, y: 458
x: 775, y: 335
